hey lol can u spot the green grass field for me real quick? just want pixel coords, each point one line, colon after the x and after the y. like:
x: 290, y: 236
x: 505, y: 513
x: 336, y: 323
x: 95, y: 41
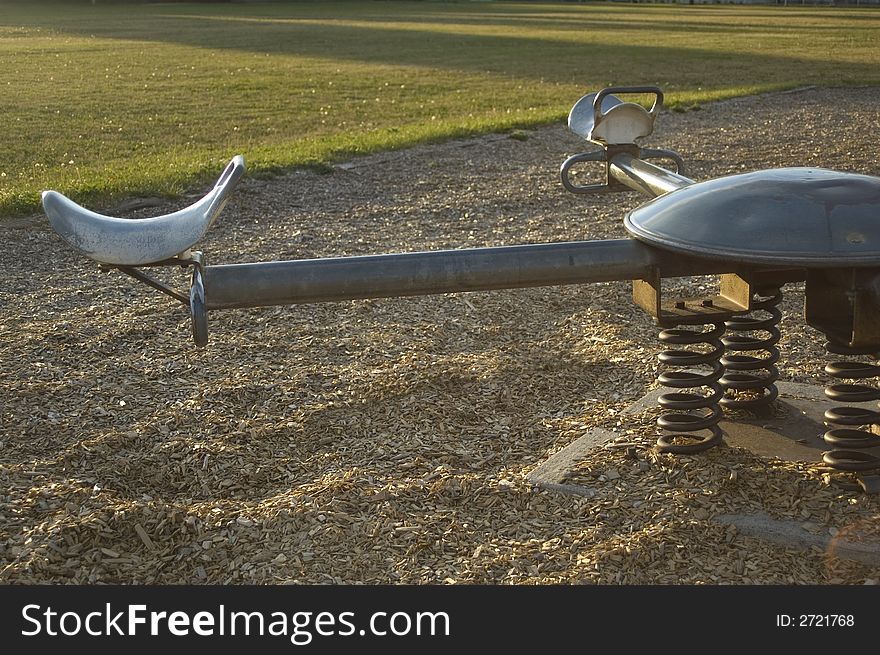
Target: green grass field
x: 105, y: 101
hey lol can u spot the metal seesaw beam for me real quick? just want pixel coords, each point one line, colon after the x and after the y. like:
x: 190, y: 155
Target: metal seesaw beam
x: 443, y: 271
x: 645, y: 177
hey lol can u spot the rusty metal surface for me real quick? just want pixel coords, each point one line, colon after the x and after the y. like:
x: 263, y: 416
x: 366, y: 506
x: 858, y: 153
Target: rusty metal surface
x: 699, y: 310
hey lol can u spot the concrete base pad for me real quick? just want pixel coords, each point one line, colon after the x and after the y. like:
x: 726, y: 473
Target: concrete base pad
x: 794, y: 535
x: 793, y: 432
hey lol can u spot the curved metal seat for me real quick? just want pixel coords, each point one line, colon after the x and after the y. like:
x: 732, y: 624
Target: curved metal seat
x: 606, y: 119
x: 134, y: 242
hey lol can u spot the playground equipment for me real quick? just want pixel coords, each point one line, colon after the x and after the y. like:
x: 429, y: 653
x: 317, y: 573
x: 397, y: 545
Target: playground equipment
x: 759, y: 231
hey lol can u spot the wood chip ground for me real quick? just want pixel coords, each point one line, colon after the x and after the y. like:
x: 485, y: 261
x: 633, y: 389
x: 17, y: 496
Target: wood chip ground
x: 388, y: 441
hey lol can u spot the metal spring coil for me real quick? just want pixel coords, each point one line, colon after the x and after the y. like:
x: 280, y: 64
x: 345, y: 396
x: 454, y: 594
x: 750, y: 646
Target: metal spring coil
x: 683, y: 422
x: 750, y: 373
x: 848, y: 443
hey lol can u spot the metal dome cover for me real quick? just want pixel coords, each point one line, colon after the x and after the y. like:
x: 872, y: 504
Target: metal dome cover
x: 785, y: 216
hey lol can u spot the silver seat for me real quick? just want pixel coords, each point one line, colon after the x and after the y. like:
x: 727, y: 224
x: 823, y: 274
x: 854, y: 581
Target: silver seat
x: 135, y: 242
x: 605, y: 119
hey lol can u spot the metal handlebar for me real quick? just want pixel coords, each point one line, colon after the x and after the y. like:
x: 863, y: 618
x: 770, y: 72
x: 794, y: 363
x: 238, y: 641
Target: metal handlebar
x: 611, y: 90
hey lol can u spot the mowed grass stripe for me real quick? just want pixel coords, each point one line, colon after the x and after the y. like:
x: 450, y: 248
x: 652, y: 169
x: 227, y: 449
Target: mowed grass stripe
x: 106, y: 101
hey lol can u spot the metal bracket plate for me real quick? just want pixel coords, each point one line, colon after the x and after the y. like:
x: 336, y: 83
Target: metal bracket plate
x: 844, y: 304
x: 735, y: 298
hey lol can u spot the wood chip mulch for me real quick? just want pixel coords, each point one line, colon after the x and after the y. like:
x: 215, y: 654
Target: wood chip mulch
x: 388, y: 441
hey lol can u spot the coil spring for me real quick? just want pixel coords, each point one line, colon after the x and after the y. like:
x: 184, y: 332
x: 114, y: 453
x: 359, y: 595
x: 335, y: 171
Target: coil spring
x: 691, y: 412
x: 848, y: 443
x: 749, y: 373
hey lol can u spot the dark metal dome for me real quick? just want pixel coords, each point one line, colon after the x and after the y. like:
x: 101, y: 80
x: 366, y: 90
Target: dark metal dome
x: 805, y: 217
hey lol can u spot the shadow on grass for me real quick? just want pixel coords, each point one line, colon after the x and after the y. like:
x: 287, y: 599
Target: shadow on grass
x: 584, y: 47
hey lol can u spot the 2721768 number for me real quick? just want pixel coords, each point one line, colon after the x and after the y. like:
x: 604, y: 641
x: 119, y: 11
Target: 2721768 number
x: 826, y: 620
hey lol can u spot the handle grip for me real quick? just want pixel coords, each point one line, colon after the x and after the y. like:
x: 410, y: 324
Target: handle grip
x: 617, y: 90
x: 598, y: 155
